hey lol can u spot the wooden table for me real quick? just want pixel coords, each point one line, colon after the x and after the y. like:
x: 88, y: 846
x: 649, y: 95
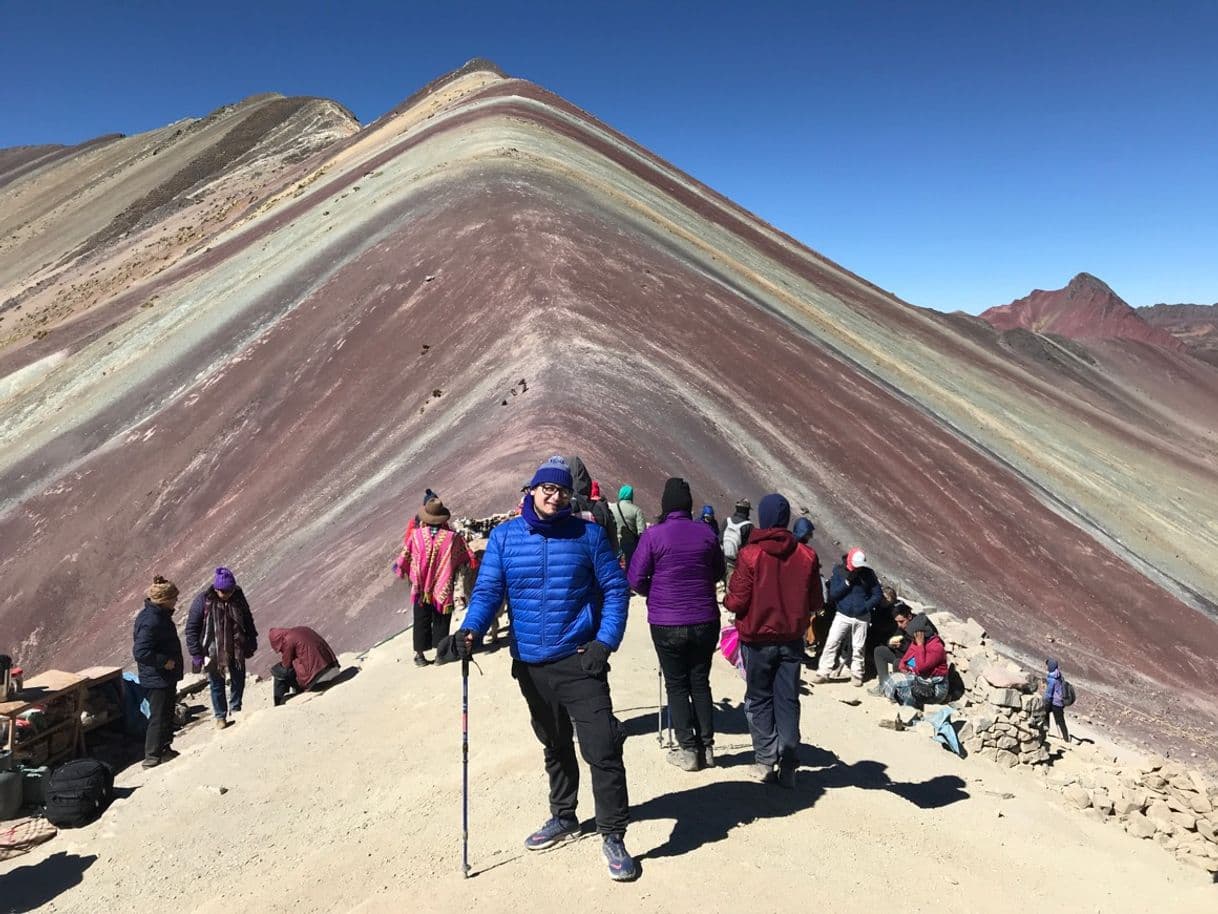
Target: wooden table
x: 46, y: 690
x: 65, y: 694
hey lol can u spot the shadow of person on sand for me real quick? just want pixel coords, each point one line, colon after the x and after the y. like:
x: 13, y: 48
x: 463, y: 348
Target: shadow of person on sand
x: 707, y: 813
x: 28, y: 887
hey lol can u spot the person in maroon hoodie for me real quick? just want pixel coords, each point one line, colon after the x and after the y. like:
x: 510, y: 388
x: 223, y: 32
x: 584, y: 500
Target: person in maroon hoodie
x: 676, y: 566
x: 773, y: 593
x: 306, y: 661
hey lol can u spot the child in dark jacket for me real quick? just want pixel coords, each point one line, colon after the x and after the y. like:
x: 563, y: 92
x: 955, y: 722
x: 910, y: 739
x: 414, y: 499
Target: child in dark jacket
x: 1055, y: 697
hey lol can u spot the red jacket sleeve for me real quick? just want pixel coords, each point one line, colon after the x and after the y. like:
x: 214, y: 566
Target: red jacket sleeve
x: 740, y: 587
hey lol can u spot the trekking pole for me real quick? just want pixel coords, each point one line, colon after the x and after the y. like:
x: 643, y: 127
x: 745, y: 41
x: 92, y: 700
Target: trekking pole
x: 660, y: 710
x: 465, y: 768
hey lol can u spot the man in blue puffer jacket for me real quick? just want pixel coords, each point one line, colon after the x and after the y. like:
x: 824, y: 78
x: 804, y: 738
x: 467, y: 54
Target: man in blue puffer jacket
x: 567, y: 598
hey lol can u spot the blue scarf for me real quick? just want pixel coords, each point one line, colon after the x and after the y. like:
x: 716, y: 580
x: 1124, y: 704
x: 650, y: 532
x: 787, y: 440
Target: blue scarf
x: 542, y: 524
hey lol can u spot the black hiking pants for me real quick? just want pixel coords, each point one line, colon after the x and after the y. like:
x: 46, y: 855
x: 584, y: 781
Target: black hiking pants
x: 886, y: 661
x: 429, y: 627
x: 559, y: 693
x: 1059, y: 718
x: 159, y: 736
x: 685, y: 653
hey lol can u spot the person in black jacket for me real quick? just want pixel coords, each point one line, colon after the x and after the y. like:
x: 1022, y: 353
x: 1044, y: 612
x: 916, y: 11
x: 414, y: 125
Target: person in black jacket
x: 221, y: 636
x: 158, y: 655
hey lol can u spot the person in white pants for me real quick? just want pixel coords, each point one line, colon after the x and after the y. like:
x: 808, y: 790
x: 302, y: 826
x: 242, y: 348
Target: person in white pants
x: 855, y: 590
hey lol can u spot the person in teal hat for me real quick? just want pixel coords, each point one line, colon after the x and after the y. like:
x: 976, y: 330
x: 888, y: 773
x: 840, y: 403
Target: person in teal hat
x: 630, y: 523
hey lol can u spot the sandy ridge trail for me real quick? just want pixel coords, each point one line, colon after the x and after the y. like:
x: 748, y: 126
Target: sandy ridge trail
x: 350, y: 801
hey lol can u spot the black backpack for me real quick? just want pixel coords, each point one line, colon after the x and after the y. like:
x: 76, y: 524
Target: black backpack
x: 1068, y: 695
x: 77, y: 792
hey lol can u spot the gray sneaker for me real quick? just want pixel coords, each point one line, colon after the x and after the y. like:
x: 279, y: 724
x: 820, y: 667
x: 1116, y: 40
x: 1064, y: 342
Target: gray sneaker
x: 685, y: 759
x: 708, y: 756
x: 762, y: 774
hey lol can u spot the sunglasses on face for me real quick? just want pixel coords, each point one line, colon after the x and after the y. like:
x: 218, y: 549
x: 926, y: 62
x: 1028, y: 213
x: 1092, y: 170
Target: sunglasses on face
x: 549, y: 490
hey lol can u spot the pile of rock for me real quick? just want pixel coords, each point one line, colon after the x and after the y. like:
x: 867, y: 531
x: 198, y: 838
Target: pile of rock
x: 1004, y: 717
x: 1160, y: 800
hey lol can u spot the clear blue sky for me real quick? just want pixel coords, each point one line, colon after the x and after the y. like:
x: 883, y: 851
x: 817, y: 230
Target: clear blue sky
x: 958, y: 154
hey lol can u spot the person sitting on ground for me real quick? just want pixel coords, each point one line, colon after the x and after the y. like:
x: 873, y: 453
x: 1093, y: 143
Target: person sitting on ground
x: 157, y: 652
x: 306, y: 662
x: 676, y: 567
x: 568, y: 600
x: 883, y: 626
x: 708, y: 517
x: 855, y: 591
x: 736, y: 534
x: 1055, y: 698
x: 923, y: 668
x: 437, y: 562
x: 221, y: 637
x: 774, y: 591
x: 887, y: 656
x: 630, y: 523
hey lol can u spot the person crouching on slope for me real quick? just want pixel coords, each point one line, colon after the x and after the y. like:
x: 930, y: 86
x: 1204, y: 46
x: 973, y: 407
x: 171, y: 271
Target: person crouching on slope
x: 568, y: 600
x: 773, y: 592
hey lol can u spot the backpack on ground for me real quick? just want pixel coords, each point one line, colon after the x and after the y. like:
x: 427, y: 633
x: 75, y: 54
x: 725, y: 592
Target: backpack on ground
x: 77, y: 792
x: 1068, y: 695
x: 735, y: 534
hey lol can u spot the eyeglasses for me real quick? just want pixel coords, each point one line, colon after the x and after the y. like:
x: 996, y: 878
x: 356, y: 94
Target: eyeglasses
x: 549, y: 490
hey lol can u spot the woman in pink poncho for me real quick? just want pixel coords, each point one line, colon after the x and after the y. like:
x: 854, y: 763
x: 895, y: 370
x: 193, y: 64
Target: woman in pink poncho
x: 437, y: 562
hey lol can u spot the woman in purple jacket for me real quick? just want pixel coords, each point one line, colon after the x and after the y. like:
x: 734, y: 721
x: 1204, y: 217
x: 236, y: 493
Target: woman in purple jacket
x: 676, y: 566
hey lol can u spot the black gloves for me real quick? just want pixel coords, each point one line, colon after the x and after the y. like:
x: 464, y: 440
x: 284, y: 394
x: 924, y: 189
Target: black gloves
x: 594, y: 658
x: 457, y: 646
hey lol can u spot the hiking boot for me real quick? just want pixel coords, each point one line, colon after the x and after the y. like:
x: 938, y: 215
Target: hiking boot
x: 818, y: 679
x: 685, y: 759
x: 856, y: 682
x: 762, y: 774
x: 151, y: 762
x: 786, y: 777
x: 622, y: 867
x: 168, y: 755
x: 221, y: 723
x: 708, y: 756
x: 556, y: 831
x: 420, y: 660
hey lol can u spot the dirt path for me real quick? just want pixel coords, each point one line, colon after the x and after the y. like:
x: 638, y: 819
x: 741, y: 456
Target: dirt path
x: 350, y: 801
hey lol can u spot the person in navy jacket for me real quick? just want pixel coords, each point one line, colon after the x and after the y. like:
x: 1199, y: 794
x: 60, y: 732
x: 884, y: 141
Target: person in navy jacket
x: 567, y: 598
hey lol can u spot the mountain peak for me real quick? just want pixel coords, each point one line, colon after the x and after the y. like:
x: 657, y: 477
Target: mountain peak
x: 1086, y: 309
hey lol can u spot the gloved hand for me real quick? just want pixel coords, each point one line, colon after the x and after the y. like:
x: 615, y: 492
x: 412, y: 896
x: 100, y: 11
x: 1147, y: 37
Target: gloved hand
x: 594, y: 658
x: 457, y: 646
x: 196, y: 664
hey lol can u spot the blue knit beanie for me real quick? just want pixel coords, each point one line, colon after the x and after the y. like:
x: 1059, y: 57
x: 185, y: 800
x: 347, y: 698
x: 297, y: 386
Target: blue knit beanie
x: 774, y: 511
x: 1051, y: 664
x: 708, y: 511
x: 555, y: 471
x: 803, y: 528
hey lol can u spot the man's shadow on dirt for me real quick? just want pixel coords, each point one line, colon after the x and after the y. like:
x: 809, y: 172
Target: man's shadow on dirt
x: 706, y: 814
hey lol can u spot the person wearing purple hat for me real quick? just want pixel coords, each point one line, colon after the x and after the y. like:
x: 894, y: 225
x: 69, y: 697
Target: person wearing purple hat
x: 221, y: 636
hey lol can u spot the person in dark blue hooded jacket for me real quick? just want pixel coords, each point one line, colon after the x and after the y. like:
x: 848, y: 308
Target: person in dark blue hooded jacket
x: 567, y: 599
x: 1055, y: 697
x: 157, y: 651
